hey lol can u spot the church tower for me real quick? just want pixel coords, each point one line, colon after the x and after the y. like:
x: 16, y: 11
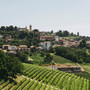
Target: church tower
x: 30, y: 28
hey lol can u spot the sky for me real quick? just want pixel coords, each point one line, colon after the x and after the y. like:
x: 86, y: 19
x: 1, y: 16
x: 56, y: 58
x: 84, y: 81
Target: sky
x: 47, y: 15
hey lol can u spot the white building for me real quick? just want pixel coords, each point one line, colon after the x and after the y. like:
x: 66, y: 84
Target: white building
x: 1, y: 36
x: 46, y: 45
x: 56, y: 38
x: 12, y: 48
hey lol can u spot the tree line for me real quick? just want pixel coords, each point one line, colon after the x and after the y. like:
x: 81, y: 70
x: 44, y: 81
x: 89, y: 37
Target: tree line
x: 19, y: 37
x: 66, y: 33
x: 75, y: 55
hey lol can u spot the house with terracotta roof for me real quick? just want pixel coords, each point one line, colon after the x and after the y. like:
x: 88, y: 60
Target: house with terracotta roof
x: 88, y: 43
x: 40, y: 48
x: 5, y: 47
x: 46, y: 38
x: 22, y: 47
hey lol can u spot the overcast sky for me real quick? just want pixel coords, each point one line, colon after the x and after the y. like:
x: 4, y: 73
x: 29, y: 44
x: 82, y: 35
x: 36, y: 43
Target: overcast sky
x: 47, y: 15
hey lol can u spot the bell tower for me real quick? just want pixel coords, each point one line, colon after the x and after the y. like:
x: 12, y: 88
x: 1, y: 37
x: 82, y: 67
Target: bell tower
x: 30, y: 28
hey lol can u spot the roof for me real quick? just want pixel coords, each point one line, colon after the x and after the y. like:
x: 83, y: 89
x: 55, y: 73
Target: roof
x: 21, y: 46
x: 68, y: 67
x: 32, y: 46
x: 0, y: 48
x: 56, y: 45
x: 47, y: 42
x: 12, y: 46
x: 46, y: 37
x: 6, y: 45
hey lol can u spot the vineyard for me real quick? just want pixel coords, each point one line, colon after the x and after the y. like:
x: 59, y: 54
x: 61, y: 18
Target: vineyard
x: 40, y: 78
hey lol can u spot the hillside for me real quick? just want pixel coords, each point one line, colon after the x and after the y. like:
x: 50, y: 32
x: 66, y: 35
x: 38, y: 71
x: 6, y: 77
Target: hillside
x: 40, y: 78
x: 60, y: 60
x: 37, y: 59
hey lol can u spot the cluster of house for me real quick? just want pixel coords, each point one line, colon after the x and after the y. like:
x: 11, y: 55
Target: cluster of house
x: 13, y: 49
x: 45, y: 44
x: 60, y: 42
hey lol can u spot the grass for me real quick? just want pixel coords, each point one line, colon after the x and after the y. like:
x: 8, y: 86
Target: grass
x: 70, y: 37
x: 37, y: 59
x: 60, y: 60
x: 18, y: 79
x: 86, y: 66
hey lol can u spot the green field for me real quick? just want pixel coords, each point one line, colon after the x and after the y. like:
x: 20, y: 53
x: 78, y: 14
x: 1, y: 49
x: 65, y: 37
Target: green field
x: 86, y: 66
x: 37, y: 59
x: 60, y: 60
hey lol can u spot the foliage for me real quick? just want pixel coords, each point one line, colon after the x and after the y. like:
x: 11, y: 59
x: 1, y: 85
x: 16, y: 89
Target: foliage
x: 48, y: 58
x: 42, y: 53
x: 9, y: 66
x: 65, y: 33
x: 75, y: 55
x: 33, y: 49
x: 82, y: 43
x: 62, y: 60
x: 19, y: 37
x: 23, y: 57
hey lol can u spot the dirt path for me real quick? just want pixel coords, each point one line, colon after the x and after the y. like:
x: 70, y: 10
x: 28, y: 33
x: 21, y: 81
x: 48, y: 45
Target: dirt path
x: 82, y: 69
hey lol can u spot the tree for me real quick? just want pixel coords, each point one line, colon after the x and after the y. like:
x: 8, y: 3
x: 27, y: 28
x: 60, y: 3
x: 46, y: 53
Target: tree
x: 65, y: 33
x: 2, y: 28
x: 82, y: 43
x: 60, y: 34
x: 48, y: 58
x: 52, y: 31
x: 42, y: 53
x: 9, y: 66
x: 77, y: 33
x: 23, y: 57
x: 33, y: 49
x: 72, y: 34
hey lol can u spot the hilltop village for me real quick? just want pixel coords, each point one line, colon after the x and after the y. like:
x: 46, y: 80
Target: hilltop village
x: 31, y: 59
x: 46, y: 40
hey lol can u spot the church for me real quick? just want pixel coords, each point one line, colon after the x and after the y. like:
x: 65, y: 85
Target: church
x: 25, y: 29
